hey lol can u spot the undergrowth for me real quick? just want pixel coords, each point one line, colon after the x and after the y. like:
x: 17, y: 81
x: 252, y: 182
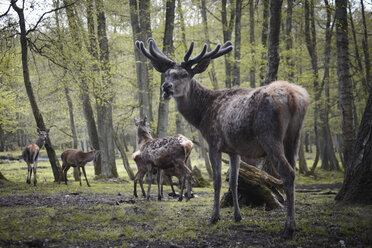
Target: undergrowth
x: 107, y: 215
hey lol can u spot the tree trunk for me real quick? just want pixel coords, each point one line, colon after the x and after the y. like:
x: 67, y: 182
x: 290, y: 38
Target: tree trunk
x: 344, y: 79
x: 205, y: 155
x: 124, y: 157
x: 273, y: 47
x: 302, y: 160
x: 227, y: 28
x: 252, y: 70
x: 366, y: 48
x: 256, y: 188
x: 26, y: 77
x: 238, y: 37
x: 140, y: 32
x: 288, y: 39
x: 167, y: 49
x: 357, y: 185
x: 84, y: 89
x: 265, y: 28
x: 105, y: 98
x: 212, y: 71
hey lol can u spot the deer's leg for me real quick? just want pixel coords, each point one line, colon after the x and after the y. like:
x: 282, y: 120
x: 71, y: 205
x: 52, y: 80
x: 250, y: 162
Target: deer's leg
x: 158, y: 182
x: 29, y: 173
x: 85, y: 175
x: 136, y: 177
x: 35, y: 167
x: 79, y: 174
x: 161, y: 182
x: 65, y: 173
x: 233, y: 183
x: 149, y: 175
x: 215, y: 158
x: 171, y: 184
x: 141, y: 183
x: 275, y: 152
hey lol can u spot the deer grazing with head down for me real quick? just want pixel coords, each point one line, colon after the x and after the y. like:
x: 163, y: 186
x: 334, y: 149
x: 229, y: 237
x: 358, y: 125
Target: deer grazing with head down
x: 162, y: 154
x: 264, y: 121
x: 79, y: 159
x: 30, y: 154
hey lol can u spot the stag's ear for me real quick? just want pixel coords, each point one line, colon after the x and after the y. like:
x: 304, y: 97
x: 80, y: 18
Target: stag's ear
x: 136, y: 121
x: 200, y: 67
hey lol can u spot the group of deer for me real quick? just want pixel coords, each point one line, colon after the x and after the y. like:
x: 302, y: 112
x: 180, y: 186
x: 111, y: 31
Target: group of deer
x: 70, y: 158
x: 253, y: 123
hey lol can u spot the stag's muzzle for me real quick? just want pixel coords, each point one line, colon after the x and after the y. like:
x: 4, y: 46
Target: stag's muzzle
x: 167, y: 90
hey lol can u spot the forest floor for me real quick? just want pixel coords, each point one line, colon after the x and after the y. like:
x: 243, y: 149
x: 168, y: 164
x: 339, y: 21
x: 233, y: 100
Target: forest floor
x: 107, y: 215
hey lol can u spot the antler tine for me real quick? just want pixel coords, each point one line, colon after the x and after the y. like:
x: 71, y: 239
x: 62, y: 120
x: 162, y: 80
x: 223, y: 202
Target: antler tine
x: 226, y: 48
x: 198, y: 57
x: 155, y: 51
x: 189, y: 52
x: 141, y: 47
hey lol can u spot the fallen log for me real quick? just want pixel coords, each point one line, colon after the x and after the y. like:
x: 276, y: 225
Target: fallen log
x: 255, y: 188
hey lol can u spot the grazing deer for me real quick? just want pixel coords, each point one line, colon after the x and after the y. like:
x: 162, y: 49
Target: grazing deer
x: 164, y: 153
x: 77, y: 158
x: 169, y: 173
x: 30, y: 154
x: 264, y: 121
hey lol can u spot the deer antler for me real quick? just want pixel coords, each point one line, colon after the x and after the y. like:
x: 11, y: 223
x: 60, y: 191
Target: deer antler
x: 203, y: 58
x: 160, y: 61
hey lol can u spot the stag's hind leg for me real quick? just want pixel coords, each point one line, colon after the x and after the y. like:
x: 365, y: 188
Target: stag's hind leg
x: 29, y: 173
x: 275, y: 151
x: 35, y: 168
x: 215, y: 158
x: 233, y: 182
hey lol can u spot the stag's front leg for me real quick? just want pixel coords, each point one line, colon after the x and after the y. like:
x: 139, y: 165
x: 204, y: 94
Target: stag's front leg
x: 158, y: 182
x: 85, y: 175
x: 233, y: 182
x: 149, y: 175
x: 215, y: 158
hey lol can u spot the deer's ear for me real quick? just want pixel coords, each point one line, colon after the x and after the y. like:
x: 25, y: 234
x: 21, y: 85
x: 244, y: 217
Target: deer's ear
x: 200, y: 67
x: 136, y: 121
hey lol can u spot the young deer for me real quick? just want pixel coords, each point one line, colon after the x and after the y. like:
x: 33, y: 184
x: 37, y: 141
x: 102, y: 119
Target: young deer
x: 169, y: 173
x: 77, y: 158
x: 164, y: 153
x: 30, y: 154
x: 264, y: 121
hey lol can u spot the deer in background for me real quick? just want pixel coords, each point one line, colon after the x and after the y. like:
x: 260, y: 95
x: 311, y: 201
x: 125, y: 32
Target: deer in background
x: 163, y: 153
x: 264, y: 121
x: 79, y: 159
x: 30, y: 154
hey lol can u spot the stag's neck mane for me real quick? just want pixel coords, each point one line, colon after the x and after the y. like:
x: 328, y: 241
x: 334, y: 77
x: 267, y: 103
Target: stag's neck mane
x: 143, y: 137
x: 88, y: 156
x: 40, y: 142
x: 194, y: 105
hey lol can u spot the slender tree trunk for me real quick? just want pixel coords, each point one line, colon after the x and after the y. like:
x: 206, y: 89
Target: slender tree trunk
x: 264, y: 35
x: 252, y: 70
x: 205, y: 155
x: 288, y: 39
x: 302, y: 160
x: 212, y: 71
x: 140, y: 32
x: 344, y: 79
x: 124, y: 157
x: 238, y: 38
x: 227, y: 28
x: 104, y: 107
x: 366, y: 48
x: 26, y: 77
x: 168, y: 49
x: 273, y: 47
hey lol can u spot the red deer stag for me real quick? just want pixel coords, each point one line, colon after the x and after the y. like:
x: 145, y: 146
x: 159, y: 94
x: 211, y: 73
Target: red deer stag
x: 264, y: 121
x: 169, y: 173
x: 77, y: 158
x: 164, y: 153
x: 30, y: 154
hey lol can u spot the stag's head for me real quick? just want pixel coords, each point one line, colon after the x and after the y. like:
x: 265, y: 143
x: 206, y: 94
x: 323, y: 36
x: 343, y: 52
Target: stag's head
x: 96, y: 153
x: 43, y: 135
x: 178, y: 76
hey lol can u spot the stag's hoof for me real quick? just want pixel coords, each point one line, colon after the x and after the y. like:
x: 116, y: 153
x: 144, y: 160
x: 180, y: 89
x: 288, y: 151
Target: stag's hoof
x: 135, y: 195
x: 144, y: 195
x: 159, y: 198
x: 180, y: 198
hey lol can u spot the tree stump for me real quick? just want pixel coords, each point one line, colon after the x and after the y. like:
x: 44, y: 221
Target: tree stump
x: 256, y: 188
x: 198, y: 178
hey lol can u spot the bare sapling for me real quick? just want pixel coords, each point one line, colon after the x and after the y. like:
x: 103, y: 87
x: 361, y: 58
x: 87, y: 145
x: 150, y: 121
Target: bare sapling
x: 253, y: 123
x: 79, y: 159
x: 30, y: 154
x: 164, y: 153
